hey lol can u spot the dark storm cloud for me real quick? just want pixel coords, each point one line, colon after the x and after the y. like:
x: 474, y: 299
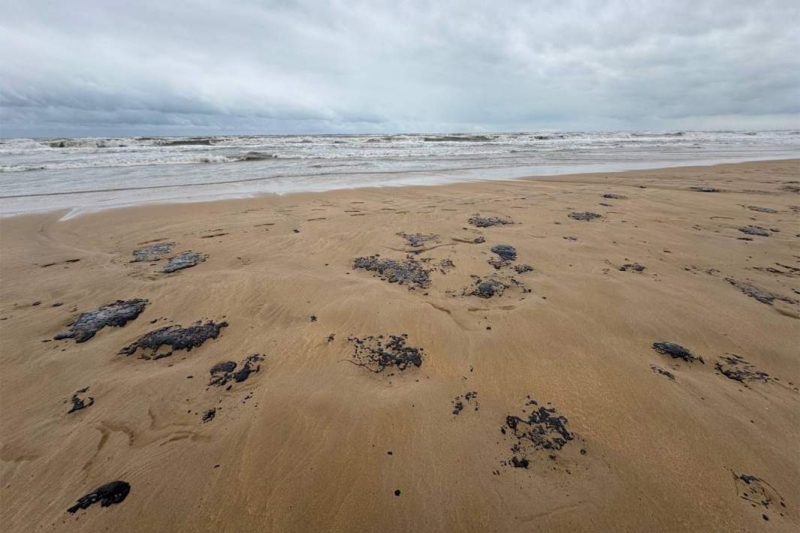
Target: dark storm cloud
x: 100, y: 67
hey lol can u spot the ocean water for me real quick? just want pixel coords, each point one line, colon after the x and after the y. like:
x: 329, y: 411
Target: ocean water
x: 81, y: 174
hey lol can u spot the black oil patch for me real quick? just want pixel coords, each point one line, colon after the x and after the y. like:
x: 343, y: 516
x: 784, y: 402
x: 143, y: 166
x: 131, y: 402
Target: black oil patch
x: 109, y: 494
x: 376, y: 354
x: 116, y: 314
x: 176, y: 337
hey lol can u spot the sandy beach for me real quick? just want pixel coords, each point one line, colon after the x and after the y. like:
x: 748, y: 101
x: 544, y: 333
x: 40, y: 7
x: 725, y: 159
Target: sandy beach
x: 642, y: 375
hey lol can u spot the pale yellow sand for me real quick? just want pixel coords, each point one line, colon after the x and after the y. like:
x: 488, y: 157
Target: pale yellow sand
x: 309, y: 450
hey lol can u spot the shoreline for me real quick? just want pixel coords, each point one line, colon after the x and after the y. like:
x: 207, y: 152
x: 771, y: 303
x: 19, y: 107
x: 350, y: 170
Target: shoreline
x: 560, y: 291
x: 73, y: 212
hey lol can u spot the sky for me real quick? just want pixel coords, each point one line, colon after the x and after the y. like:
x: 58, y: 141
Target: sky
x: 156, y: 67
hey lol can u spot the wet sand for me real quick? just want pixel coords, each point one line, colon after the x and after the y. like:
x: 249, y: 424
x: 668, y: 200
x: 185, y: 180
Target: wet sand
x: 333, y: 428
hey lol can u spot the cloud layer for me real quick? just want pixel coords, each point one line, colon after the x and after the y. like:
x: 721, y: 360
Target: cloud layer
x: 93, y: 67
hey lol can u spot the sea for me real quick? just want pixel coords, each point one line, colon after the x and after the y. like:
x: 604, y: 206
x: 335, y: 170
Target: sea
x: 76, y: 175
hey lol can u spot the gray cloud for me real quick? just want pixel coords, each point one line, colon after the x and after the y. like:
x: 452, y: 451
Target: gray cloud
x: 147, y: 67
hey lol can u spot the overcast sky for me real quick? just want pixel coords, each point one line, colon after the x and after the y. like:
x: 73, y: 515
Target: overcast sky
x: 125, y: 67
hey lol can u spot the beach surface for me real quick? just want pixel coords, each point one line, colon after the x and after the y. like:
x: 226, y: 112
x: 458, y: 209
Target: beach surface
x: 510, y: 399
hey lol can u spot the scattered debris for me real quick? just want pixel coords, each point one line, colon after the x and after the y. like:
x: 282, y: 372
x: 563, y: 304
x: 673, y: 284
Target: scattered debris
x: 116, y: 314
x: 371, y: 353
x: 458, y: 401
x: 758, y: 492
x: 633, y: 267
x: 486, y: 222
x: 183, y: 260
x: 754, y: 230
x: 521, y: 269
x: 79, y: 403
x: 615, y: 196
x: 109, y: 494
x: 416, y: 240
x: 585, y: 215
x: 224, y: 372
x: 762, y: 295
x: 331, y: 337
x: 154, y: 252
x: 676, y: 351
x: 666, y: 373
x: 541, y: 429
x: 176, y: 337
x: 409, y: 271
x: 704, y: 189
x: 209, y: 415
x: 568, y: 238
x: 734, y: 367
x: 313, y: 318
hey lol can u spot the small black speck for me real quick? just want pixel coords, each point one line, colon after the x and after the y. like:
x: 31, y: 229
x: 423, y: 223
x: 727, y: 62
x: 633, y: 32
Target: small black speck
x: 397, y: 493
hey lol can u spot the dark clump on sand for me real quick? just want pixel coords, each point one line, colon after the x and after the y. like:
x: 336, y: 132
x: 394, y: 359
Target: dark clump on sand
x: 376, y: 354
x: 486, y: 288
x: 458, y: 401
x: 762, y: 295
x: 406, y: 272
x: 116, y: 315
x: 615, y: 196
x: 704, y: 189
x: 154, y: 252
x: 761, y: 209
x: 416, y: 240
x: 734, y: 367
x: 632, y: 267
x: 183, y: 260
x: 505, y: 251
x: 676, y: 351
x: 209, y: 415
x: 585, y: 215
x: 79, y: 403
x: 666, y: 373
x: 225, y: 372
x: 486, y: 222
x: 109, y: 494
x: 541, y: 429
x: 517, y: 462
x: 176, y: 337
x: 755, y: 230
x: 521, y: 269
